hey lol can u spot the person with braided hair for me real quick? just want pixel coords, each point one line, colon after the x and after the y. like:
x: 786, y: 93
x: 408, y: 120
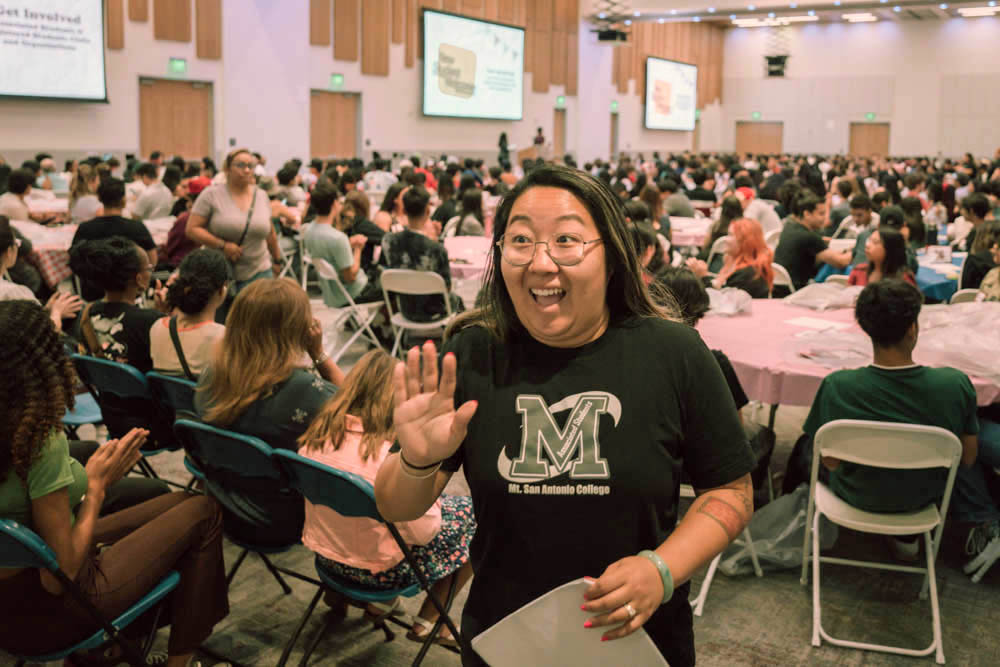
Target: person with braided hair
x: 42, y: 487
x: 197, y: 291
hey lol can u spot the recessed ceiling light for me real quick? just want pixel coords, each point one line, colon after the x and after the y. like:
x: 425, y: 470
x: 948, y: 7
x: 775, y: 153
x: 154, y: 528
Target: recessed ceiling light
x: 943, y: 6
x: 637, y: 14
x: 897, y: 9
x: 628, y: 22
x: 883, y: 1
x: 751, y: 7
x: 711, y: 10
x: 812, y: 12
x: 673, y: 11
x: 836, y: 2
x: 770, y: 15
x: 697, y: 19
x: 661, y: 20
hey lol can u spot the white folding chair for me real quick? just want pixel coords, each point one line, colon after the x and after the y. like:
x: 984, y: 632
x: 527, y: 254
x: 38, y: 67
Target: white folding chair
x: 880, y: 445
x: 781, y: 277
x: 687, y: 491
x: 837, y: 279
x: 363, y: 314
x: 771, y: 238
x: 290, y: 249
x: 450, y: 227
x: 720, y: 247
x: 964, y: 296
x: 413, y: 283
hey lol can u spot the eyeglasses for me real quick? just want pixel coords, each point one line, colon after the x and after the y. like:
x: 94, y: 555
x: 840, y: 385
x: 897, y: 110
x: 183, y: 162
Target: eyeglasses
x: 243, y: 165
x: 564, y: 249
x: 17, y: 243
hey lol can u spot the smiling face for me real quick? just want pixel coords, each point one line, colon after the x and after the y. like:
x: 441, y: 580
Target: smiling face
x: 560, y: 306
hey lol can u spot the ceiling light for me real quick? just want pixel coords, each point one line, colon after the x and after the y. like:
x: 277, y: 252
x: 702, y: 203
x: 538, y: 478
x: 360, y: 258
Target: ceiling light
x: 812, y: 13
x: 711, y: 10
x: 636, y: 14
x: 972, y: 12
x: 836, y: 2
x: 751, y: 7
x: 943, y: 6
x: 673, y: 11
x: 628, y: 22
x: 770, y: 15
x: 697, y: 19
x: 897, y: 9
x: 661, y: 20
x: 883, y: 1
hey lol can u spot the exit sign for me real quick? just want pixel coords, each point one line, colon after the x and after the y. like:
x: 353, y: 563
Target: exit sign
x: 697, y: 114
x: 336, y: 81
x: 560, y: 101
x: 614, y: 106
x: 177, y: 66
x: 755, y: 115
x: 870, y: 115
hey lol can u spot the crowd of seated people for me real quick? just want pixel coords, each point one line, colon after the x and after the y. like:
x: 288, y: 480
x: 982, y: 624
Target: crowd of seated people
x: 266, y: 372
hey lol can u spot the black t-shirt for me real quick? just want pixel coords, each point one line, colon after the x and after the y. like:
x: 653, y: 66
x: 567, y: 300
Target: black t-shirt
x: 701, y: 194
x: 735, y: 388
x: 574, y: 459
x: 105, y: 227
x: 977, y: 265
x: 446, y: 211
x: 374, y: 234
x: 122, y: 331
x: 797, y: 250
x: 747, y: 280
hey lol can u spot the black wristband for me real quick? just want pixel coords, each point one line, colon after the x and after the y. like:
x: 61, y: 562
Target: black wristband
x: 427, y: 467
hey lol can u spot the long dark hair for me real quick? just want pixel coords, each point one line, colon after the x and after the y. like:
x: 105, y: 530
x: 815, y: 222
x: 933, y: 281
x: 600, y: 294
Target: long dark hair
x: 894, y: 264
x: 627, y: 294
x: 389, y: 201
x: 472, y: 204
x: 36, y: 384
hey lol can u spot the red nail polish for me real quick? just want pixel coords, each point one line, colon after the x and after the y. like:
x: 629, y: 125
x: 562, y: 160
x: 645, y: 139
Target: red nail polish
x: 604, y: 639
x: 583, y: 607
x: 588, y: 624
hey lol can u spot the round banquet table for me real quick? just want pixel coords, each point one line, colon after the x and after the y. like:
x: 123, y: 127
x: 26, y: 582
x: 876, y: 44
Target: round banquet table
x: 467, y: 255
x: 689, y: 231
x: 938, y: 282
x: 761, y: 346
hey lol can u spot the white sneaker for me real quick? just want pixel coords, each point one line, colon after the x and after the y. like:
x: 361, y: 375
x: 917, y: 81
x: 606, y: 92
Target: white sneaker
x: 981, y: 543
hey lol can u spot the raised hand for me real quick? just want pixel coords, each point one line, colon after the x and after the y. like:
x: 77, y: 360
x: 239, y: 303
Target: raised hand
x: 428, y: 426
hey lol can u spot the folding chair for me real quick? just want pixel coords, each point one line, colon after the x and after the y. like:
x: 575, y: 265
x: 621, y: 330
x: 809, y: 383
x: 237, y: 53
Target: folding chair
x: 407, y: 281
x: 362, y: 314
x: 22, y: 547
x: 351, y: 496
x: 964, y: 296
x: 235, y: 466
x: 880, y: 445
x: 782, y: 278
x: 105, y: 378
x: 837, y: 279
x: 720, y: 247
x: 176, y: 397
x: 771, y: 238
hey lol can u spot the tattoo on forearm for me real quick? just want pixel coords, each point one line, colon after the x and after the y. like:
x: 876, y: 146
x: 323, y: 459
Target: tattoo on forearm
x: 724, y: 514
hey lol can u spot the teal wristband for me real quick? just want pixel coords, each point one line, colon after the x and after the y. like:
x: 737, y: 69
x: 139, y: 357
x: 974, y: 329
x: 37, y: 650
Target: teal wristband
x: 665, y: 576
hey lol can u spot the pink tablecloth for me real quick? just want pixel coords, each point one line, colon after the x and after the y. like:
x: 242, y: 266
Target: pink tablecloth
x: 761, y: 347
x: 689, y: 231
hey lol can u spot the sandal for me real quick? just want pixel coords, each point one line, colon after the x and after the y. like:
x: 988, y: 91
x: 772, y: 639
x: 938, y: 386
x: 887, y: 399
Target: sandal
x: 420, y: 636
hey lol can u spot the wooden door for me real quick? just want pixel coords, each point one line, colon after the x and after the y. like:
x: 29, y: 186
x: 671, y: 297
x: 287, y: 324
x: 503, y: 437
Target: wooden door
x: 614, y: 135
x: 333, y: 124
x: 869, y: 139
x: 175, y: 117
x: 559, y: 134
x: 758, y: 138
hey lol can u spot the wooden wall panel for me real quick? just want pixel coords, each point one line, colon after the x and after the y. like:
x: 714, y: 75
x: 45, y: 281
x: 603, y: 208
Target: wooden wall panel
x: 540, y: 15
x: 398, y: 21
x: 543, y: 62
x: 521, y: 12
x: 172, y: 20
x: 490, y: 10
x: 505, y: 11
x: 175, y: 117
x: 116, y: 24
x: 320, y: 12
x: 138, y: 10
x: 572, y: 63
x: 474, y: 8
x: 411, y: 32
x: 529, y: 38
x: 346, y: 29
x: 208, y: 29
x: 375, y: 45
x: 429, y: 4
x: 615, y: 56
x: 558, y: 40
x: 454, y: 6
x: 573, y: 16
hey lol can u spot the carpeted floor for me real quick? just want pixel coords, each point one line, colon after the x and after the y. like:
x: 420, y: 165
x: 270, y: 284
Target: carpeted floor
x: 747, y: 621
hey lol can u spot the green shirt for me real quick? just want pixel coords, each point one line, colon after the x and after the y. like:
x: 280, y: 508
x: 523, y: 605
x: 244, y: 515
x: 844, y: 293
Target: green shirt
x: 54, y: 470
x: 941, y: 397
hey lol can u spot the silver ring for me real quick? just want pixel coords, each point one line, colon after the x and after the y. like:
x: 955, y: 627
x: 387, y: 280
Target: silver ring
x: 630, y: 609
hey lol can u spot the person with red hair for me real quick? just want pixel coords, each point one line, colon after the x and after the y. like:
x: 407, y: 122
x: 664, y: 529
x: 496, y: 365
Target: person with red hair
x: 747, y: 265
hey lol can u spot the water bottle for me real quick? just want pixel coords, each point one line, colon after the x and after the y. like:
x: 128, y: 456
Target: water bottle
x: 942, y: 234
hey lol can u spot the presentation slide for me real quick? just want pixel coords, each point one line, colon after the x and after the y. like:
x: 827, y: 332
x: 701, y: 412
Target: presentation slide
x: 52, y: 49
x: 671, y: 94
x: 472, y: 68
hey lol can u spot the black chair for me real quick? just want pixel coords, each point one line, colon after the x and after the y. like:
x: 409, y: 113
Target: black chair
x: 175, y: 396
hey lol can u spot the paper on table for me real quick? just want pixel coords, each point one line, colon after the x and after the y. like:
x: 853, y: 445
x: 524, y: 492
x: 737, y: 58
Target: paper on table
x: 549, y: 631
x: 816, y: 323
